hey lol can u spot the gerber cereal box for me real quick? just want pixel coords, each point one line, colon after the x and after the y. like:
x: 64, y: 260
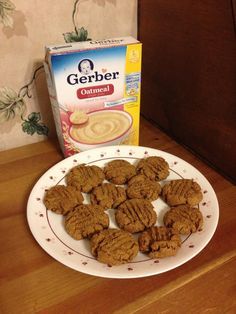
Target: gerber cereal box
x: 94, y: 89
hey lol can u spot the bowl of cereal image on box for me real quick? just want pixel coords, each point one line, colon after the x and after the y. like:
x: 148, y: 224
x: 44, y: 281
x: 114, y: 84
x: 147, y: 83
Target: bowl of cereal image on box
x: 104, y: 127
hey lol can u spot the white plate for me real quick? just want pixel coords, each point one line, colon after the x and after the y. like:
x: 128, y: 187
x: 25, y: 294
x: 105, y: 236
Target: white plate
x: 47, y: 227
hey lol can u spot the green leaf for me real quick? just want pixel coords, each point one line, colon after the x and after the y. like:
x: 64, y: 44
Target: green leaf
x: 28, y: 128
x: 7, y: 4
x: 34, y: 116
x: 42, y: 130
x: 10, y: 104
x: 6, y: 8
x: 32, y: 125
x: 80, y: 35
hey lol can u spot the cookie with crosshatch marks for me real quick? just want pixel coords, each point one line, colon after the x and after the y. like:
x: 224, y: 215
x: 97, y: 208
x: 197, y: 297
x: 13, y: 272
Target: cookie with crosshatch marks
x: 119, y: 171
x: 85, y: 178
x: 108, y: 195
x: 182, y: 191
x: 183, y: 218
x: 135, y: 215
x: 85, y: 220
x: 142, y: 187
x: 159, y: 242
x: 114, y: 247
x: 61, y: 199
x: 153, y: 167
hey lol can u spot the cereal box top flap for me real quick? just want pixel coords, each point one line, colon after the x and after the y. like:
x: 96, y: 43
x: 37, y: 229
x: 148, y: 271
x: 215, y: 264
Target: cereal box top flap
x: 92, y: 44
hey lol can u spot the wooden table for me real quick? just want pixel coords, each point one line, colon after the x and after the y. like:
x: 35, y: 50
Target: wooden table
x: 32, y: 281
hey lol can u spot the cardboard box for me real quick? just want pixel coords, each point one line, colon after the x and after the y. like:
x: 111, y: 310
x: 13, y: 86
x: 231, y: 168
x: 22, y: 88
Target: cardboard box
x: 94, y: 89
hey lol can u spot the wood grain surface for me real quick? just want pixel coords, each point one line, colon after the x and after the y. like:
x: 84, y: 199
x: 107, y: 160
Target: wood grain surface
x: 33, y: 282
x: 189, y: 75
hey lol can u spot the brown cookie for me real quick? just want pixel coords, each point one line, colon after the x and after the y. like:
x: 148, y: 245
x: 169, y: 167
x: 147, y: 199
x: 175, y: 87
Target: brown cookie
x: 153, y: 167
x: 119, y: 171
x: 183, y: 218
x: 85, y: 220
x: 141, y: 187
x: 61, y: 199
x: 159, y: 242
x: 135, y: 215
x: 114, y: 247
x: 182, y: 191
x: 85, y: 178
x: 108, y: 195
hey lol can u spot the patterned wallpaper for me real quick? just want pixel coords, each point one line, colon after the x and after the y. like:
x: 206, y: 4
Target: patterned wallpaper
x: 25, y: 28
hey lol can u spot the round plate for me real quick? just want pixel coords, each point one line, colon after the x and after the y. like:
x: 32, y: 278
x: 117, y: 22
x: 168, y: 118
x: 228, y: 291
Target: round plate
x: 48, y: 227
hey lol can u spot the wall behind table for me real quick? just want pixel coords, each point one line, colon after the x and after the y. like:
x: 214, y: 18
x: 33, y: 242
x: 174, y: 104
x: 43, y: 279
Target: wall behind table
x: 25, y: 28
x: 189, y: 75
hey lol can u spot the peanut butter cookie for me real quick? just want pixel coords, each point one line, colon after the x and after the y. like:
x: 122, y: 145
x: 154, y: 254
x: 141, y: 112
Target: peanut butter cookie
x: 85, y: 220
x: 108, y: 195
x: 153, y: 167
x: 61, y: 199
x: 183, y: 218
x: 114, y: 247
x: 135, y: 215
x: 119, y: 171
x: 159, y: 242
x: 85, y: 178
x: 182, y: 191
x: 141, y: 187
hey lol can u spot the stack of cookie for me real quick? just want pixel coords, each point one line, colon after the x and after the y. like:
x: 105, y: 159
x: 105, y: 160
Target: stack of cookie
x: 129, y: 190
